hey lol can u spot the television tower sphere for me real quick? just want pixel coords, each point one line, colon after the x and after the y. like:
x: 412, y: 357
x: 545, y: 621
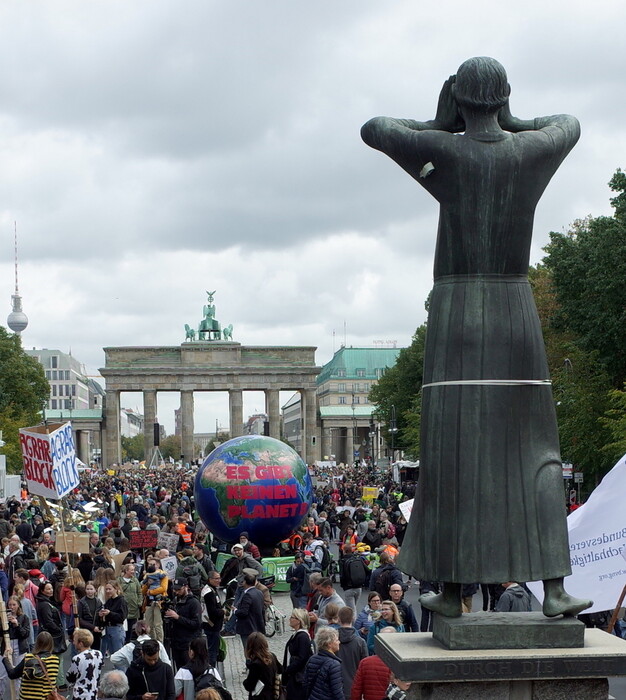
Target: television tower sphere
x: 17, y: 319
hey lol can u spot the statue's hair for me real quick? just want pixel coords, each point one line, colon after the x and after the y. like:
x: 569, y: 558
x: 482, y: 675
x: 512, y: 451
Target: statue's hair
x: 481, y: 84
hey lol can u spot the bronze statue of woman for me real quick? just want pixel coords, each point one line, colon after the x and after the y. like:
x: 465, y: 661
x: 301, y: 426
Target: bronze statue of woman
x: 489, y: 506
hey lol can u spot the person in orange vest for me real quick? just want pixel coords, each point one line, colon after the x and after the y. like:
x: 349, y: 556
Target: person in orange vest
x: 184, y: 530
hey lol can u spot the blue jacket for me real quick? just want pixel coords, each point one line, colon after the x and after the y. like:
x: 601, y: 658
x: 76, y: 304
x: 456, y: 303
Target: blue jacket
x: 375, y: 629
x: 322, y: 677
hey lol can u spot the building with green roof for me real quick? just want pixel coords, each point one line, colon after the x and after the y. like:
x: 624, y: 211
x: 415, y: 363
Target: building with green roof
x: 348, y: 428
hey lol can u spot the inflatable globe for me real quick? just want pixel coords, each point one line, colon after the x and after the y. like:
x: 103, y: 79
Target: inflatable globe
x: 253, y: 484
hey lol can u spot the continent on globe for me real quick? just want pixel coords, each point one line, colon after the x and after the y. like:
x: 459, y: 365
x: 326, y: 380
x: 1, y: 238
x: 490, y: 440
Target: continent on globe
x: 256, y: 484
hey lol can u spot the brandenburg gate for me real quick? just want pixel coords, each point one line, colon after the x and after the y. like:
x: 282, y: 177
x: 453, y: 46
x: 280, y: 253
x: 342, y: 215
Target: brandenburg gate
x: 209, y: 366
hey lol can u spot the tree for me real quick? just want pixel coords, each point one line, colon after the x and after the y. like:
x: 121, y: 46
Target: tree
x: 615, y: 422
x: 400, y: 386
x: 580, y: 385
x: 24, y: 391
x: 132, y: 447
x: 171, y: 446
x: 588, y: 268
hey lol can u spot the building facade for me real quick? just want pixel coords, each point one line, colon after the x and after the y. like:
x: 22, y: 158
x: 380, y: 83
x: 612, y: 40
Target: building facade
x: 69, y: 386
x: 348, y: 428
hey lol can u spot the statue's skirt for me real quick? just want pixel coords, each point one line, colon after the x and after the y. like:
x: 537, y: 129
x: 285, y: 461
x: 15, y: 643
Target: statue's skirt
x: 490, y: 504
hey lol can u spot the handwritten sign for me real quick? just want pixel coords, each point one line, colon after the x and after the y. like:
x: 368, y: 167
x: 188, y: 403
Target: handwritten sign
x: 168, y: 540
x: 143, y: 539
x: 49, y: 458
x: 405, y: 508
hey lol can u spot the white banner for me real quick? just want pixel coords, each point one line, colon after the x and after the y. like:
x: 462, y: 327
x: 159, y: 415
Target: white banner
x: 597, y: 542
x: 49, y: 459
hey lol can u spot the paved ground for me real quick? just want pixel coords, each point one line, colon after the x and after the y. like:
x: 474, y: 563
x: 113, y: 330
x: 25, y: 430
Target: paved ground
x: 234, y: 667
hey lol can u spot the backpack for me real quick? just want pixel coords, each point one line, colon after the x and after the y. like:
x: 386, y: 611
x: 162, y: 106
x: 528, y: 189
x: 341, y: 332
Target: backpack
x: 383, y: 584
x: 325, y: 556
x: 355, y: 570
x: 137, y: 653
x: 309, y: 568
x: 192, y: 573
x: 208, y: 680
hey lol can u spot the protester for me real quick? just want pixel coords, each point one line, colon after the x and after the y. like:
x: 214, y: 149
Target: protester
x: 298, y: 651
x: 212, y: 614
x: 184, y: 621
x: 407, y: 614
x: 36, y: 686
x: 295, y: 578
x: 263, y: 668
x: 123, y: 658
x: 372, y: 677
x: 112, y: 617
x: 249, y: 615
x: 353, y: 575
x: 369, y: 614
x: 113, y: 686
x: 187, y: 680
x: 514, y: 599
x: 150, y: 675
x: 322, y: 675
x: 131, y: 590
x: 389, y: 617
x: 84, y: 671
x: 352, y: 648
x: 88, y: 608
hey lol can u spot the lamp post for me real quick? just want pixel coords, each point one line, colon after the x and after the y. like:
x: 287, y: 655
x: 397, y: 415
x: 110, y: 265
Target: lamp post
x: 393, y: 429
x: 373, y: 441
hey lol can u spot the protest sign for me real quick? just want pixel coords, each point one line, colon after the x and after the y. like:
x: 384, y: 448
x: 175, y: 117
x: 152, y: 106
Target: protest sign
x: 143, y: 539
x: 168, y: 540
x: 597, y: 542
x: 370, y: 493
x: 169, y: 565
x: 49, y: 459
x: 73, y: 543
x: 117, y: 561
x: 405, y: 508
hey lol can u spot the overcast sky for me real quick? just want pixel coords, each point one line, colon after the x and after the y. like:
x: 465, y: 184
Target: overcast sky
x: 152, y: 150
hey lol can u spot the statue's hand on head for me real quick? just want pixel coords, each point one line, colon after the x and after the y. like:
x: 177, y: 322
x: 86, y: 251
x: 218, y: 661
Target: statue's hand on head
x: 448, y: 117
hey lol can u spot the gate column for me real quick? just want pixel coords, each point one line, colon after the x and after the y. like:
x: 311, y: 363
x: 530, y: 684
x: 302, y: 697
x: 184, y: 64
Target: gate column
x: 235, y: 401
x: 186, y: 416
x: 113, y: 450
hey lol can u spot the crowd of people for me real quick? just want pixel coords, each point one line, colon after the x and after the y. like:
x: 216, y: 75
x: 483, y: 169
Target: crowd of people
x: 163, y: 629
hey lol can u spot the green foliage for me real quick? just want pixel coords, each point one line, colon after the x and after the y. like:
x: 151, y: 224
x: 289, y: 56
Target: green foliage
x: 615, y: 422
x: 580, y: 382
x: 24, y: 391
x: 171, y: 446
x: 400, y: 386
x: 132, y: 448
x: 588, y: 266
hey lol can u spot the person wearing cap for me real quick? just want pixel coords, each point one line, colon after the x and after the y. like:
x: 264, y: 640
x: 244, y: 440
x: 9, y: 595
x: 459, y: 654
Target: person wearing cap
x: 249, y: 547
x: 185, y: 621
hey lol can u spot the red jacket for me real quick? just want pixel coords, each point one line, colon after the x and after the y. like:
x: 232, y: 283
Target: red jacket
x: 371, y: 680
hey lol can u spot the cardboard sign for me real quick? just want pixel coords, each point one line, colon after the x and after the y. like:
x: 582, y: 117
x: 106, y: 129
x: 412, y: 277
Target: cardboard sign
x: 77, y: 542
x: 49, y: 457
x: 406, y: 507
x: 169, y: 565
x: 117, y: 561
x: 143, y: 539
x: 168, y: 540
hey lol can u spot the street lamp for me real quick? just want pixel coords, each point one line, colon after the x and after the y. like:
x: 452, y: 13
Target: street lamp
x: 393, y: 429
x: 372, y: 441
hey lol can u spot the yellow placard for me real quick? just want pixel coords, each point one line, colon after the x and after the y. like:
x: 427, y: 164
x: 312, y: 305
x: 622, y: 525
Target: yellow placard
x: 369, y: 493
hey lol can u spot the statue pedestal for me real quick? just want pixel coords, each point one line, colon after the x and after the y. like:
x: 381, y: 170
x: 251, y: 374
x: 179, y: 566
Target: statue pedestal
x: 503, y: 674
x: 527, y: 630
